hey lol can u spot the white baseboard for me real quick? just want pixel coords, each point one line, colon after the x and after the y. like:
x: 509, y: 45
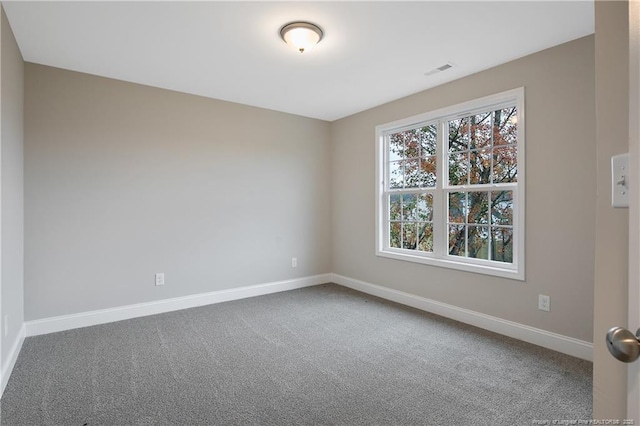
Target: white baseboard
x: 102, y: 316
x: 7, y: 368
x: 554, y: 341
x: 546, y: 339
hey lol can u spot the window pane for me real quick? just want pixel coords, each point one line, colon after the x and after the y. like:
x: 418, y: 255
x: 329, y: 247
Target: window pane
x: 458, y: 168
x: 395, y: 207
x: 411, y: 143
x: 480, y: 167
x: 505, y: 164
x: 394, y: 234
x: 505, y: 129
x: 478, y: 208
x: 412, y: 174
x: 478, y: 242
x: 424, y: 208
x: 457, y: 207
x: 502, y: 245
x: 409, y: 202
x: 459, y: 134
x: 428, y: 137
x: 502, y: 207
x: 481, y: 130
x: 395, y: 174
x: 457, y: 240
x: 409, y: 236
x: 425, y: 237
x: 428, y: 172
x: 396, y: 147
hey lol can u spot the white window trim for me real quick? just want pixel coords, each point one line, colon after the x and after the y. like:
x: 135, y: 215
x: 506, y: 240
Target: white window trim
x: 515, y: 270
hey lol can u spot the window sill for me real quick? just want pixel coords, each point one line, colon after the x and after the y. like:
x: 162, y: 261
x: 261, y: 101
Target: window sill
x: 491, y: 269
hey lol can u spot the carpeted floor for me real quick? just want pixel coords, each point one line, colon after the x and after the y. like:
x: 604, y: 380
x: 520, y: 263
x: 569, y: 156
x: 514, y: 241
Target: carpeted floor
x: 319, y: 355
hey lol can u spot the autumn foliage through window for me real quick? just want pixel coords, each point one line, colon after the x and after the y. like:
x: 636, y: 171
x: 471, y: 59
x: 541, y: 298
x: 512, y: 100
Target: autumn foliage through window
x: 451, y: 186
x: 482, y: 150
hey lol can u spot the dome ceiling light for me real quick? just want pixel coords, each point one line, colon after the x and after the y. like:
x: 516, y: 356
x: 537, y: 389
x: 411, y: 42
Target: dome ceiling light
x: 301, y: 35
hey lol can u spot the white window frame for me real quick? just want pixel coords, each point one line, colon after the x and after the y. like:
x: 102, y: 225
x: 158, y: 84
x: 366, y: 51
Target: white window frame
x: 440, y: 256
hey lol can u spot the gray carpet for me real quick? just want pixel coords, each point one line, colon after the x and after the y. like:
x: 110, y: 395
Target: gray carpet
x: 319, y: 355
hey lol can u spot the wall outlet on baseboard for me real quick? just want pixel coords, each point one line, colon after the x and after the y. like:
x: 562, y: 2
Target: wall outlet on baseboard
x: 544, y: 302
x: 294, y: 262
x: 160, y: 278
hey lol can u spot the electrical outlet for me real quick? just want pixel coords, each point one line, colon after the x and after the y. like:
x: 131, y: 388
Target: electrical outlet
x: 160, y: 278
x: 6, y: 325
x: 544, y: 302
x: 294, y: 262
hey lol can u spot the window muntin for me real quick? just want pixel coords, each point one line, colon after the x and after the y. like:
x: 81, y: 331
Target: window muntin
x: 451, y: 191
x: 411, y: 171
x: 412, y: 157
x: 482, y: 148
x: 411, y: 221
x: 480, y: 225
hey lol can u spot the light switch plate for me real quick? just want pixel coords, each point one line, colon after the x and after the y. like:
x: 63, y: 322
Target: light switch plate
x: 620, y: 180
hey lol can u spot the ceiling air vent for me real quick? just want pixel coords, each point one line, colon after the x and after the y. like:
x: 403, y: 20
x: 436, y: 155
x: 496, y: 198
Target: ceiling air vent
x: 439, y: 69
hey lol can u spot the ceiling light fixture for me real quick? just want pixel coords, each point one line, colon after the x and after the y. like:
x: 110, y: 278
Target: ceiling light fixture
x: 301, y: 35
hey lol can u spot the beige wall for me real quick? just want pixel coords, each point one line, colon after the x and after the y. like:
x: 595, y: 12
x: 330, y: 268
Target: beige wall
x: 560, y: 212
x: 11, y: 141
x: 611, y: 264
x: 123, y: 181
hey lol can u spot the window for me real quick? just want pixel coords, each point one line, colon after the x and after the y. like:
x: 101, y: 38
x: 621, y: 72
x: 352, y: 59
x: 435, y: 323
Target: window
x: 450, y: 187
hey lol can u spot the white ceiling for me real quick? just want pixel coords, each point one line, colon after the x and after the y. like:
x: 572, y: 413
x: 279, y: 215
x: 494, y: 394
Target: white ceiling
x: 372, y: 52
